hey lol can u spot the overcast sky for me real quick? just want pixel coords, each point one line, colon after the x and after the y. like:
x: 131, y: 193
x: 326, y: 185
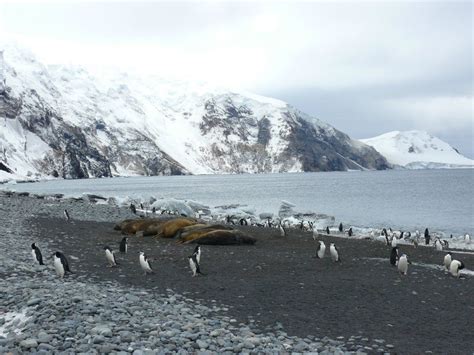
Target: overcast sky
x: 364, y: 67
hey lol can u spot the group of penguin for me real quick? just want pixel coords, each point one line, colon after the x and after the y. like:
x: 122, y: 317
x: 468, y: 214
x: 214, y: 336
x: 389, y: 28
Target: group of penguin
x: 451, y: 265
x: 61, y: 263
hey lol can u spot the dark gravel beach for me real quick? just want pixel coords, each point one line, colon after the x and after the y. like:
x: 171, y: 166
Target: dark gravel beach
x: 278, y: 280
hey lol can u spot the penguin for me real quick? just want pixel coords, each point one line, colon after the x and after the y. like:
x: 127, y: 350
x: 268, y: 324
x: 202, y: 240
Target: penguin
x: 403, y: 264
x: 387, y: 240
x: 427, y: 236
x: 437, y: 244
x: 153, y: 210
x: 36, y: 253
x: 133, y: 208
x: 320, y: 250
x: 315, y: 234
x: 455, y: 266
x: 66, y: 215
x: 145, y: 263
x: 384, y: 232
x: 243, y: 222
x: 197, y: 252
x: 282, y: 230
x: 194, y: 265
x: 334, y: 253
x: 123, y: 245
x: 394, y: 256
x: 327, y: 231
x: 415, y: 243
x: 109, y: 254
x: 401, y: 235
x: 141, y: 206
x: 467, y: 238
x: 60, y: 264
x: 350, y: 232
x: 408, y: 235
x: 341, y: 228
x: 445, y: 244
x: 447, y: 261
x: 394, y: 242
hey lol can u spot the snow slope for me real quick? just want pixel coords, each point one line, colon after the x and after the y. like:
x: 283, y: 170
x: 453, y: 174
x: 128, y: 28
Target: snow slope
x: 417, y: 150
x: 64, y: 121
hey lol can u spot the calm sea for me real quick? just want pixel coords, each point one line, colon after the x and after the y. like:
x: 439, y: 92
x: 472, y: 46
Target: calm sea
x: 442, y: 200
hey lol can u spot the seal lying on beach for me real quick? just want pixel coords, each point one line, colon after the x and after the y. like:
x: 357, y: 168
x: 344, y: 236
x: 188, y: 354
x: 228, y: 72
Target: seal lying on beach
x: 132, y: 226
x: 169, y: 228
x: 222, y: 237
x: 196, y: 231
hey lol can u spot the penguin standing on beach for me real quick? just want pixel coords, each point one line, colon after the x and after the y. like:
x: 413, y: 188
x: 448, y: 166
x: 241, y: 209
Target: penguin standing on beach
x: 437, y: 244
x: 327, y: 231
x: 282, y: 230
x: 394, y: 256
x: 66, y: 215
x: 447, y: 261
x: 133, y: 208
x: 403, y: 264
x: 197, y: 253
x: 334, y: 253
x: 455, y: 266
x: 194, y: 265
x: 394, y: 242
x: 110, y: 256
x: 36, y: 253
x: 350, y: 232
x: 61, y: 264
x: 467, y: 238
x: 123, y: 245
x: 341, y: 228
x: 145, y: 263
x: 427, y: 236
x: 320, y: 250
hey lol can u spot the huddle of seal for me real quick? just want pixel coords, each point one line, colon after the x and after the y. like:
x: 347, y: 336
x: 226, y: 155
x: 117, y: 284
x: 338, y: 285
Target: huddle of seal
x: 185, y: 230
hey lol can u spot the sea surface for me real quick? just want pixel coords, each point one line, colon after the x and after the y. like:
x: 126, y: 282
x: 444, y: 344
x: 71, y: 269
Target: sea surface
x: 442, y: 200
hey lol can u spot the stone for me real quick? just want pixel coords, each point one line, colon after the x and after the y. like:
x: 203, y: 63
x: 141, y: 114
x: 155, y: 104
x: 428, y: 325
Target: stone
x: 29, y: 343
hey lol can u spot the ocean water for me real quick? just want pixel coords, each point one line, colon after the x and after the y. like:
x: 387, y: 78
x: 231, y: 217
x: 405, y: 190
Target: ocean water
x: 442, y: 200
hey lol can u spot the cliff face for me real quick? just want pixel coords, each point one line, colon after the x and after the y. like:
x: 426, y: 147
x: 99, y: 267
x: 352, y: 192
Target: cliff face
x: 62, y: 121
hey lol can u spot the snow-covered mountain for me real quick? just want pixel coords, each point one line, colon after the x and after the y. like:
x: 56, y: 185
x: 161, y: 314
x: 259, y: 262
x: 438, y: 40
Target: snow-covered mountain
x: 418, y: 150
x: 64, y: 121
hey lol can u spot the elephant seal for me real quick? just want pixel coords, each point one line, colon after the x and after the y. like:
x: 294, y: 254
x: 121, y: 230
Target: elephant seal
x: 223, y: 237
x: 169, y: 228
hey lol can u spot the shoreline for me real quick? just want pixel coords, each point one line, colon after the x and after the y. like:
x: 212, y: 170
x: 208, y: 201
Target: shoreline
x: 277, y: 280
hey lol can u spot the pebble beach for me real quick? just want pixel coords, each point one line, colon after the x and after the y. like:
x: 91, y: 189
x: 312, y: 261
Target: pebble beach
x: 274, y: 296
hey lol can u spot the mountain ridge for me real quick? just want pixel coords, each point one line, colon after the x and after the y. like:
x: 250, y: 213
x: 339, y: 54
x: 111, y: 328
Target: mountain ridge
x: 63, y: 121
x: 417, y: 149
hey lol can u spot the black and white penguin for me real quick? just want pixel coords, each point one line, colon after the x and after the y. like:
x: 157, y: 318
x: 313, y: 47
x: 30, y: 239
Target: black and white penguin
x: 282, y: 230
x: 243, y: 222
x: 334, y: 253
x: 110, y: 256
x: 145, y: 263
x: 455, y: 266
x: 327, y: 230
x: 36, y: 253
x: 66, y: 215
x: 384, y: 232
x: 61, y: 264
x: 427, y: 236
x: 394, y: 242
x: 133, y: 208
x: 467, y: 238
x: 403, y: 264
x: 320, y: 250
x: 153, y: 210
x: 123, y: 245
x: 437, y: 244
x: 394, y: 256
x: 341, y: 228
x: 349, y: 232
x: 197, y: 252
x: 194, y: 265
x: 447, y: 261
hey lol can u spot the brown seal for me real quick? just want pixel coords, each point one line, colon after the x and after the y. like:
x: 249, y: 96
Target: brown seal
x: 169, y: 228
x: 223, y: 237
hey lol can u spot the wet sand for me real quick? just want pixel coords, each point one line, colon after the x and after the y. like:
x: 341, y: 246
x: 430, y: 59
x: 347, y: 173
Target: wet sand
x: 279, y: 280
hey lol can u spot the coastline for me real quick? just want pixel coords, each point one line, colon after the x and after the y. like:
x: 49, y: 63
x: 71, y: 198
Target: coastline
x: 361, y: 304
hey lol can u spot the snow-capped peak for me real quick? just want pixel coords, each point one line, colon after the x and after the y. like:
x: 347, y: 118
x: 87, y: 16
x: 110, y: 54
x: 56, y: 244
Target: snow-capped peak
x: 417, y: 149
